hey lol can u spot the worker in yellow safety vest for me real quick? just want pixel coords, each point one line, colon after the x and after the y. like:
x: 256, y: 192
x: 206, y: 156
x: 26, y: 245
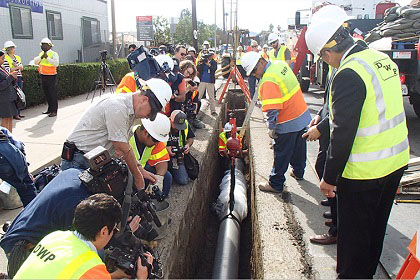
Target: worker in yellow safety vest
x: 47, y: 62
x: 279, y: 51
x: 223, y: 137
x: 368, y: 149
x: 149, y: 147
x: 264, y: 52
x: 73, y: 254
x: 239, y: 55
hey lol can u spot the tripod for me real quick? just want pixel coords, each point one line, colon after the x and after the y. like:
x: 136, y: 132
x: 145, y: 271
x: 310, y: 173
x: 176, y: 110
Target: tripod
x: 104, y: 80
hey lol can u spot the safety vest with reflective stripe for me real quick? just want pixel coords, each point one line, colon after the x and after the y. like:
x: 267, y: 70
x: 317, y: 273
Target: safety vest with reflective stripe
x: 61, y: 255
x: 264, y: 55
x: 127, y: 84
x: 223, y: 140
x: 279, y: 89
x: 181, y: 142
x: 238, y: 58
x: 10, y: 61
x: 153, y: 155
x: 381, y: 144
x: 280, y: 54
x: 46, y: 68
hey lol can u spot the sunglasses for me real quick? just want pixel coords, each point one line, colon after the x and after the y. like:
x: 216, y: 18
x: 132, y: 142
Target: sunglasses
x: 116, y: 230
x: 153, y: 139
x: 183, y: 54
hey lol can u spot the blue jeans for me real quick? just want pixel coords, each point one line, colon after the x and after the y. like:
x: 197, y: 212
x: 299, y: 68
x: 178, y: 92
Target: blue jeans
x: 167, y: 179
x: 180, y: 175
x: 288, y: 148
x: 25, y: 188
x: 78, y: 162
x: 252, y: 81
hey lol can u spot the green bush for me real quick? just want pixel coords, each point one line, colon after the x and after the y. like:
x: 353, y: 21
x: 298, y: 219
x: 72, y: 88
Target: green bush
x: 72, y: 79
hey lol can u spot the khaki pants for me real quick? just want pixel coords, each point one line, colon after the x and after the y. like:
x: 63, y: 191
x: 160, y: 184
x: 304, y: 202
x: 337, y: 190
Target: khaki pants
x: 210, y: 94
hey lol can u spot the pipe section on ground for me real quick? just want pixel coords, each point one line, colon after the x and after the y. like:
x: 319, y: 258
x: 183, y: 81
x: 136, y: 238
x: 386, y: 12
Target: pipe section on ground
x: 226, y: 260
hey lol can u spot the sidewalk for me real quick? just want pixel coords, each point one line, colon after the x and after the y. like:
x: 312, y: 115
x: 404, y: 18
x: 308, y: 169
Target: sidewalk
x: 44, y: 136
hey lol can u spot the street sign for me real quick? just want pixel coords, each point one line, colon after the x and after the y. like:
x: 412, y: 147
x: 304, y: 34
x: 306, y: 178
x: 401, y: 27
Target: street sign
x: 35, y: 5
x: 144, y: 28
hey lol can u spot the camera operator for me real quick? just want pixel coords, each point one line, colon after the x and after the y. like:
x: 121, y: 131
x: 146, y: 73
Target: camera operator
x: 206, y: 68
x: 14, y: 168
x: 181, y: 138
x: 192, y: 103
x: 74, y: 254
x: 108, y: 123
x: 163, y: 49
x: 192, y: 55
x: 52, y: 209
x: 131, y: 48
x: 149, y: 146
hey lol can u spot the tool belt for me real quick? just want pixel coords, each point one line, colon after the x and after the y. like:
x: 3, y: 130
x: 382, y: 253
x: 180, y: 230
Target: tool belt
x: 69, y: 149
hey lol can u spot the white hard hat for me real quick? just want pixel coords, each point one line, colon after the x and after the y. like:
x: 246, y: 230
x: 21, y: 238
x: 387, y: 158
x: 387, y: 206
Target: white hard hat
x: 249, y: 61
x: 239, y: 48
x: 9, y: 44
x: 254, y: 43
x: 206, y: 43
x: 159, y: 128
x: 191, y: 49
x: 161, y: 90
x: 272, y: 38
x: 324, y: 24
x: 163, y: 58
x: 265, y: 46
x: 228, y: 127
x: 46, y: 41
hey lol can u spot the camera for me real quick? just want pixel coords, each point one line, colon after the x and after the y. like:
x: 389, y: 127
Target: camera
x: 103, y: 54
x: 105, y: 174
x: 143, y: 64
x: 205, y: 57
x: 192, y: 83
x: 190, y: 110
x: 178, y: 159
x: 124, y: 252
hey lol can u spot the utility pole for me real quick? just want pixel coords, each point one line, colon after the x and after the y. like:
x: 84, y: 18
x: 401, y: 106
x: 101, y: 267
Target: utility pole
x: 114, y: 31
x: 194, y: 27
x: 215, y: 27
x: 224, y: 19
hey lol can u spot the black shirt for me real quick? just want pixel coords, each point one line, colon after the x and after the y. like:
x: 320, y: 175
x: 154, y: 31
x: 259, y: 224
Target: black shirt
x: 348, y: 97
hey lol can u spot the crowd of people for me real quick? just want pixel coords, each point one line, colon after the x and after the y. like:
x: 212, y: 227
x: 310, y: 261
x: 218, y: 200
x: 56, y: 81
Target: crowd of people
x: 150, y: 124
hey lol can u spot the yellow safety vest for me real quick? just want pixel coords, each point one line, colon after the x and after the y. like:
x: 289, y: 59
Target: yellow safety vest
x: 59, y: 255
x: 181, y: 143
x: 238, y: 58
x: 381, y: 144
x: 280, y: 55
x: 46, y: 68
x: 147, y: 152
x: 10, y: 60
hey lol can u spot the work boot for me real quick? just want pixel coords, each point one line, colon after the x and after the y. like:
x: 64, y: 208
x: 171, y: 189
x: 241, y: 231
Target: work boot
x: 292, y: 174
x: 198, y: 124
x: 327, y: 215
x: 325, y: 202
x: 323, y: 239
x: 265, y: 187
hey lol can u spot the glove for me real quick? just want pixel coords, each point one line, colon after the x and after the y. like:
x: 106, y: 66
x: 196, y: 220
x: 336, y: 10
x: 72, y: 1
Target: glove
x: 272, y: 134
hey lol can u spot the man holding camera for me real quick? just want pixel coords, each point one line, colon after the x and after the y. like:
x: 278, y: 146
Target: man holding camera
x: 48, y: 61
x: 181, y: 138
x: 206, y: 68
x: 149, y: 146
x: 108, y: 123
x: 74, y: 254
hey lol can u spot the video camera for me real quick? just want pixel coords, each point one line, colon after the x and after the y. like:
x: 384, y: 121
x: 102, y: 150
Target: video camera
x: 143, y: 64
x: 124, y: 252
x: 144, y: 207
x: 105, y: 174
x: 190, y: 110
x: 103, y: 54
x: 205, y: 57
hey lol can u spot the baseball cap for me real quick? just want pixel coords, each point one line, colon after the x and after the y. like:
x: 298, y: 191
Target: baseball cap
x: 178, y: 119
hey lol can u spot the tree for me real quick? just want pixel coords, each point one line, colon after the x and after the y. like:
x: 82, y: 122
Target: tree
x: 161, y: 31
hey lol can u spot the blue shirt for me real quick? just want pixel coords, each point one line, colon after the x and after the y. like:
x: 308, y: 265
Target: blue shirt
x: 205, y: 76
x: 51, y: 210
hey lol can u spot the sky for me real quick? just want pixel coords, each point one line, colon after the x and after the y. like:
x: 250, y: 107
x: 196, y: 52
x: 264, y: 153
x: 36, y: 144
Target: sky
x: 255, y: 15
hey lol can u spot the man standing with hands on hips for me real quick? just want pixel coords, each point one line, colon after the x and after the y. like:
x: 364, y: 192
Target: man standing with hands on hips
x: 48, y: 61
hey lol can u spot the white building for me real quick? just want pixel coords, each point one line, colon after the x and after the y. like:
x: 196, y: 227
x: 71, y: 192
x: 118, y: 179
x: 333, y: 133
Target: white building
x: 77, y: 28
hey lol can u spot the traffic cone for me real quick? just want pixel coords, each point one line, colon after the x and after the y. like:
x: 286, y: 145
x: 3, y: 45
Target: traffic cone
x: 412, y: 263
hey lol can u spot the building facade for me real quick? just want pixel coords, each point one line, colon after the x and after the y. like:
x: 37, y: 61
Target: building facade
x: 77, y: 28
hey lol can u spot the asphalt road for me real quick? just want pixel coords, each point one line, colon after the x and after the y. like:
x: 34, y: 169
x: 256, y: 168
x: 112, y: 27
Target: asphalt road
x: 403, y: 221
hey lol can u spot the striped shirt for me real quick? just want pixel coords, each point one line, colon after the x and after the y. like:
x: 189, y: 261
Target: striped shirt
x: 7, y: 66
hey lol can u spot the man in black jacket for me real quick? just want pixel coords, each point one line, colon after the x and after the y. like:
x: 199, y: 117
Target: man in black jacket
x: 368, y: 149
x: 206, y: 69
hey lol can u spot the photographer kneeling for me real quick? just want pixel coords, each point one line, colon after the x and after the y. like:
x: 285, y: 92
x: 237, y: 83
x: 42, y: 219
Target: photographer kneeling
x: 180, y: 141
x: 149, y: 146
x: 53, y: 208
x: 74, y: 254
x: 192, y: 103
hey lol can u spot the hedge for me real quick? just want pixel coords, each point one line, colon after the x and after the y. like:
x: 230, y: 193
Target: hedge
x: 72, y: 79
